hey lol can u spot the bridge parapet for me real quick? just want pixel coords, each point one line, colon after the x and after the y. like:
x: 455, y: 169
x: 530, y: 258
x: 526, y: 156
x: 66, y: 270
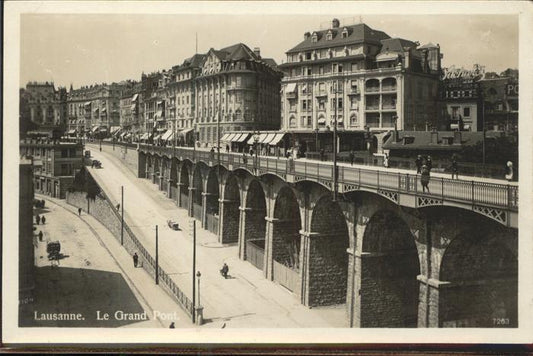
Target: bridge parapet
x: 496, y: 201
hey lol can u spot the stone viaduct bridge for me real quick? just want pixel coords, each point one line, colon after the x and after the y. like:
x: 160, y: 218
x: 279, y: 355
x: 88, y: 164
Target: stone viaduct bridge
x: 396, y: 257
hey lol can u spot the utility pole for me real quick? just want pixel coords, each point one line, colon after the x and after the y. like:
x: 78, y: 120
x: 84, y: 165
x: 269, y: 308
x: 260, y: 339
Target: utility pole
x: 193, y: 231
x: 122, y: 216
x: 156, y: 257
x: 335, y: 143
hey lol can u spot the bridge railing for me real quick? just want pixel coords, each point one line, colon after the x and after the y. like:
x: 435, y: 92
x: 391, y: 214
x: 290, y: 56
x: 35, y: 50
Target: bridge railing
x: 458, y: 190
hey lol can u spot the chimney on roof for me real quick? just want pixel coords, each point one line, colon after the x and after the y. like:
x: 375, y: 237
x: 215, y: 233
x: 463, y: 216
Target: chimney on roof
x: 335, y: 23
x: 257, y: 52
x: 307, y: 35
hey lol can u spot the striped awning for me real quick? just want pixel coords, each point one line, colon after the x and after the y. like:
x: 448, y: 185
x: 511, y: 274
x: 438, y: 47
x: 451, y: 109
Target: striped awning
x: 166, y: 135
x: 277, y: 139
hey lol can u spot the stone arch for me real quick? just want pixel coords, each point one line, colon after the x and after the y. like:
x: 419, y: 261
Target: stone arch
x: 198, y: 189
x: 389, y: 83
x: 211, y: 201
x: 165, y: 173
x: 184, y: 185
x: 389, y: 268
x: 327, y: 255
x: 286, y: 239
x: 479, y: 272
x: 254, y: 225
x: 229, y: 228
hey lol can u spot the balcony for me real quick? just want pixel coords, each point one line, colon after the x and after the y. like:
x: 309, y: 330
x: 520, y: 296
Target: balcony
x: 372, y: 90
x: 321, y: 93
x: 354, y: 91
x: 389, y: 88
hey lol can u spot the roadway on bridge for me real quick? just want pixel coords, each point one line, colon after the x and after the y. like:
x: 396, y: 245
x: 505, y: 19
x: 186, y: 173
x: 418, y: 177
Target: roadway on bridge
x: 245, y: 300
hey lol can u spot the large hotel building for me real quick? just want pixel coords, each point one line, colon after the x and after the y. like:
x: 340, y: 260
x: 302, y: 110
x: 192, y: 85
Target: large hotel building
x: 362, y: 77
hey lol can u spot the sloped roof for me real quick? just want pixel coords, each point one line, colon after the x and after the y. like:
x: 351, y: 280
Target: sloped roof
x: 396, y: 44
x: 271, y: 62
x: 422, y: 140
x: 356, y: 34
x: 428, y: 45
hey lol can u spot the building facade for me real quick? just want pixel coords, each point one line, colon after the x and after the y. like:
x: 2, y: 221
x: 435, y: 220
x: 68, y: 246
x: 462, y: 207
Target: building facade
x: 43, y: 106
x: 463, y: 98
x: 54, y: 164
x: 92, y: 110
x: 236, y: 90
x: 363, y: 78
x: 26, y: 249
x: 500, y: 101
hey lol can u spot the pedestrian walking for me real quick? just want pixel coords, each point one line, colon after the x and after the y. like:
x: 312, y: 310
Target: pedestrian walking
x: 455, y: 167
x: 418, y: 163
x: 244, y: 158
x: 251, y: 151
x: 40, y: 235
x: 172, y: 326
x: 42, y: 203
x: 352, y: 157
x: 118, y: 206
x: 424, y: 179
x: 79, y: 211
x: 43, y: 220
x: 509, y: 173
x: 135, y: 259
x: 386, y: 161
x: 37, y: 219
x: 227, y: 150
x: 322, y: 154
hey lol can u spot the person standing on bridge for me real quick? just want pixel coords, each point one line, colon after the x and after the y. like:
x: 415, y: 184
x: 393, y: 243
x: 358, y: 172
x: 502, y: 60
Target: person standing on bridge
x: 418, y: 163
x: 135, y: 259
x: 424, y: 179
x: 508, y: 174
x: 352, y: 157
x: 455, y: 167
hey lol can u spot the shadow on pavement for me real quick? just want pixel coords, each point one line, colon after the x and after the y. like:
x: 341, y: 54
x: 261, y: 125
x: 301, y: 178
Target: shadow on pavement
x: 77, y: 290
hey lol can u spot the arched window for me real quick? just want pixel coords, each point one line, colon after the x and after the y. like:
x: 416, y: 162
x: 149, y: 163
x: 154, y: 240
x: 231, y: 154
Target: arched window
x: 353, y: 119
x: 292, y: 121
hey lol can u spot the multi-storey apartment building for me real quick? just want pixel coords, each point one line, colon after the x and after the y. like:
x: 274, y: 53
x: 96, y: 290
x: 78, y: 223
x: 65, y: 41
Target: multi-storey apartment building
x: 54, y: 164
x: 43, y: 106
x: 462, y: 97
x: 129, y: 107
x: 500, y: 101
x: 181, y: 97
x: 363, y: 78
x: 150, y: 83
x: 239, y: 89
x: 94, y: 109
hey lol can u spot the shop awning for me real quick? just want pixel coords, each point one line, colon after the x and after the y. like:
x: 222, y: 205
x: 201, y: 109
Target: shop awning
x: 231, y: 136
x: 159, y: 102
x: 268, y: 138
x: 128, y: 135
x: 166, y: 135
x: 277, y: 139
x: 144, y: 136
x: 87, y: 103
x: 322, y: 121
x: 123, y: 134
x: 95, y: 128
x: 251, y: 140
x: 95, y: 109
x: 157, y: 137
x: 135, y: 96
x: 291, y: 88
x: 73, y: 131
x: 185, y: 132
x: 224, y: 137
x: 114, y: 129
x: 102, y: 129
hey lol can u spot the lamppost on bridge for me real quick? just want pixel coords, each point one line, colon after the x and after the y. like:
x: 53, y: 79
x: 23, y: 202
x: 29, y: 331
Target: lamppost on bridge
x: 316, y: 139
x: 256, y: 144
x: 199, y: 308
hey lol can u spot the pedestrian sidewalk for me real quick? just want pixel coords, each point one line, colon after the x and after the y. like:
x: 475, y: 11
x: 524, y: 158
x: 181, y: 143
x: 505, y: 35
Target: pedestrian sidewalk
x: 162, y: 309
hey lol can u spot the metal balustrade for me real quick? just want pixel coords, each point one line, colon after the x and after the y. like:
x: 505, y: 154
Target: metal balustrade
x: 445, y: 189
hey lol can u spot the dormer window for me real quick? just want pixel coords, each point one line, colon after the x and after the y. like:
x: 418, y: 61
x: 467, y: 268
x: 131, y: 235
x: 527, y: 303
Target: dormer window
x: 314, y: 38
x: 329, y: 36
x: 345, y: 33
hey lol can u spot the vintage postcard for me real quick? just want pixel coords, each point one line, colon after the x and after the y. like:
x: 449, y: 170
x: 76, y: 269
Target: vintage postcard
x: 267, y: 172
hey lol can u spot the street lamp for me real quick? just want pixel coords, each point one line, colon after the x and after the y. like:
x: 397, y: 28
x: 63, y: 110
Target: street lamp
x: 256, y: 141
x: 198, y: 275
x: 316, y: 139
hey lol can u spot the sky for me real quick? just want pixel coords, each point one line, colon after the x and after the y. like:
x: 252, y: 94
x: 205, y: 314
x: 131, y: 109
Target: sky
x: 84, y: 49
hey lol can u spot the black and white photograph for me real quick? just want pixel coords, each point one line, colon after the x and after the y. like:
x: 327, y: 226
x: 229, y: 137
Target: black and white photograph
x: 267, y: 172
